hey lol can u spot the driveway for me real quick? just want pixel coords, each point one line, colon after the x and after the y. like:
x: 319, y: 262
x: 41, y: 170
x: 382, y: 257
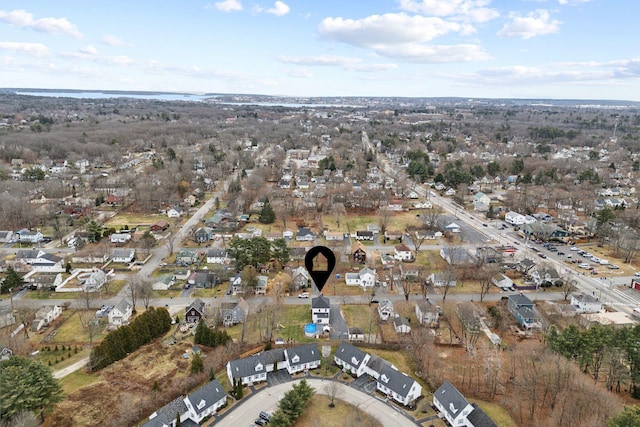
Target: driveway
x: 339, y: 328
x: 267, y: 400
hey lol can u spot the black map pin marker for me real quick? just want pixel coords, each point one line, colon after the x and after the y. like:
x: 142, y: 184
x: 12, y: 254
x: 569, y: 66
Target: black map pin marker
x: 320, y: 261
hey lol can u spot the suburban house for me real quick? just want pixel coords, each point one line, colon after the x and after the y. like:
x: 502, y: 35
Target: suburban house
x: 205, y: 401
x: 441, y: 279
x: 585, y: 303
x: 195, y: 311
x: 427, y: 313
x: 163, y: 282
x: 235, y: 282
x: 503, y: 282
x: 401, y: 325
x: 514, y: 218
x: 202, y: 279
x: 248, y: 370
x: 402, y: 252
x: 192, y: 409
x: 364, y: 278
x: 7, y: 318
x: 385, y: 309
x: 522, y: 309
x: 398, y: 386
x: 351, y: 359
x: 6, y: 236
x: 29, y: 256
x: 364, y: 235
x: 233, y: 313
x: 300, y: 279
x: 48, y: 262
x: 119, y: 315
x: 302, y: 358
x: 320, y: 308
x: 457, y: 410
x: 159, y: 225
x: 43, y: 280
x: 120, y: 238
x: 261, y: 286
x: 203, y: 234
x: 393, y: 235
x: 304, y: 234
x: 455, y: 255
x: 45, y: 316
x: 489, y: 255
x: 27, y: 236
x: 123, y: 255
x: 174, y: 212
x: 545, y: 231
x: 187, y: 257
x: 355, y: 334
x: 216, y: 256
x: 95, y: 281
x: 358, y: 253
x: 481, y: 202
x: 452, y: 227
x: 546, y: 274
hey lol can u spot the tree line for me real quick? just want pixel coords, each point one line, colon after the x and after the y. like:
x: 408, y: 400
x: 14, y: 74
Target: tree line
x: 119, y: 343
x: 210, y: 337
x: 602, y: 350
x: 292, y: 405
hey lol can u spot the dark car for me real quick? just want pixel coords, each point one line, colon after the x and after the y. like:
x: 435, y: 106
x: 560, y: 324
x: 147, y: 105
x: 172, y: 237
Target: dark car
x: 265, y: 416
x: 560, y: 254
x: 46, y: 239
x: 541, y: 255
x: 261, y: 421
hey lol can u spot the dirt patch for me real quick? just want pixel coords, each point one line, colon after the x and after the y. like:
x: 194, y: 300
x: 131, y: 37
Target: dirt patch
x: 131, y: 389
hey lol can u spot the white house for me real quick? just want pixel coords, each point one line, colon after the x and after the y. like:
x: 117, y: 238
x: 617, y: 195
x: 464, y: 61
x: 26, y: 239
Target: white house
x: 205, y: 401
x: 452, y: 228
x: 119, y: 315
x: 27, y: 236
x: 248, y: 370
x: 586, y: 303
x: 123, y: 255
x: 514, y: 218
x: 385, y: 309
x: 320, y: 308
x: 216, y: 256
x: 440, y: 279
x: 427, y: 313
x: 398, y: 386
x: 401, y: 325
x: 365, y: 278
x: 481, y: 202
x: 402, y: 252
x: 120, y: 238
x: 351, y: 359
x: 302, y: 358
x: 45, y: 316
x: 174, y: 212
x: 457, y: 410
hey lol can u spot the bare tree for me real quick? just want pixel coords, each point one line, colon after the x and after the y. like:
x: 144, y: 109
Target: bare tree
x: 448, y: 280
x: 146, y: 292
x: 86, y: 296
x: 485, y: 275
x: 133, y: 289
x: 333, y: 390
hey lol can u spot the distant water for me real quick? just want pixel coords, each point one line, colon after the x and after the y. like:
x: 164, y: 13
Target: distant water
x: 106, y: 95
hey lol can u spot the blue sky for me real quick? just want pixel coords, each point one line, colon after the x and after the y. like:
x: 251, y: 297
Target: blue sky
x: 583, y: 49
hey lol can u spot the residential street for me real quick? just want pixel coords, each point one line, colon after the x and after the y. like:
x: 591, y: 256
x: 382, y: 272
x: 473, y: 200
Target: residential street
x: 267, y: 400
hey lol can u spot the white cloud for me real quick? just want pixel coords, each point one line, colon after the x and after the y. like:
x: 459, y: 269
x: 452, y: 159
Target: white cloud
x: 345, y: 62
x: 226, y: 6
x: 33, y: 49
x: 89, y: 50
x: 472, y: 10
x: 388, y: 29
x: 537, y: 23
x: 431, y: 54
x: 572, y: 2
x: 24, y: 19
x: 300, y: 73
x: 278, y: 9
x: 111, y: 40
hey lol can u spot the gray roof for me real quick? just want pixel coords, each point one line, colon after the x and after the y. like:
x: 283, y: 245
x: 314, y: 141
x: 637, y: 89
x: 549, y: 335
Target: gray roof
x: 320, y: 302
x: 122, y: 252
x: 123, y: 305
x: 479, y: 418
x: 306, y: 352
x: 172, y: 408
x: 246, y: 366
x: 198, y: 304
x: 274, y: 355
x: 209, y: 393
x: 376, y: 363
x: 27, y: 253
x: 397, y: 381
x: 520, y: 300
x: 585, y: 298
x: 400, y: 321
x: 451, y: 399
x: 216, y: 253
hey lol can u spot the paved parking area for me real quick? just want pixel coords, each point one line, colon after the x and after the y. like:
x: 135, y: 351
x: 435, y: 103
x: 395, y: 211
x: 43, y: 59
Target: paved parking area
x: 365, y: 384
x: 279, y: 377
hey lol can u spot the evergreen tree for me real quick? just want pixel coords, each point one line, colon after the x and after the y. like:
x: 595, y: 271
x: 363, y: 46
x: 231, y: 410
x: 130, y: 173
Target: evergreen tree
x: 197, y: 365
x: 267, y: 215
x: 12, y: 281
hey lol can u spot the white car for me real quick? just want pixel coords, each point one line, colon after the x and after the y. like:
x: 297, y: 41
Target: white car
x: 586, y: 265
x: 574, y: 248
x: 604, y: 262
x: 637, y: 273
x: 304, y: 295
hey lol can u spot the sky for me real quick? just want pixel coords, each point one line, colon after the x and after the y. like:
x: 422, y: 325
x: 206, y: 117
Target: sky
x: 558, y: 49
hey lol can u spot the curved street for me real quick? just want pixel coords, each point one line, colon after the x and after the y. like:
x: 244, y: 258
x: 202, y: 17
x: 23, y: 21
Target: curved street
x: 249, y: 409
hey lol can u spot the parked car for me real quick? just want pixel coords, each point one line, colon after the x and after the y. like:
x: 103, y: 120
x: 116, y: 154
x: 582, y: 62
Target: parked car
x: 584, y: 265
x: 574, y: 248
x: 265, y: 415
x: 304, y: 295
x: 613, y: 267
x: 560, y: 253
x: 637, y: 273
x: 261, y: 421
x: 541, y: 255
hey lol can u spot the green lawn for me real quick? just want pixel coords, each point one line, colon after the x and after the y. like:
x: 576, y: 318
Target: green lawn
x: 72, y: 330
x: 76, y: 380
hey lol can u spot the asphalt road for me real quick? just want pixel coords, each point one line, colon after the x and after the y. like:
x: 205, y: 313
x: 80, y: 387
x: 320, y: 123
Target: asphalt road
x: 267, y: 400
